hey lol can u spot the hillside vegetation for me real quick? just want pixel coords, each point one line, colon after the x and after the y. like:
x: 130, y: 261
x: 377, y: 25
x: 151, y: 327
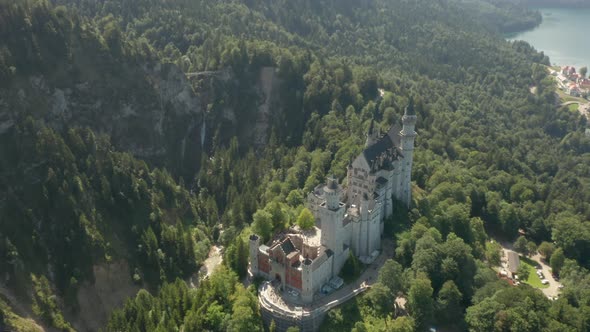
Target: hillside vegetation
x: 78, y: 187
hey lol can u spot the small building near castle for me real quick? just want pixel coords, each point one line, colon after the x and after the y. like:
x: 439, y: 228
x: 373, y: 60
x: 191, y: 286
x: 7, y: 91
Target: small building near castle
x: 348, y: 219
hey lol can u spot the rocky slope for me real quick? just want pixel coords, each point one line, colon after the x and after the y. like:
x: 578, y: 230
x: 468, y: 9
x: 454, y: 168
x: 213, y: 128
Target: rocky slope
x: 159, y: 116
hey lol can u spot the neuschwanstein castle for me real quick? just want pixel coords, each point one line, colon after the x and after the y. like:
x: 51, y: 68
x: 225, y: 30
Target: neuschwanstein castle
x: 347, y: 218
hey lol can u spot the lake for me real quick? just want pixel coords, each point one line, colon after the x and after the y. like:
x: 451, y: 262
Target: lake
x: 563, y: 36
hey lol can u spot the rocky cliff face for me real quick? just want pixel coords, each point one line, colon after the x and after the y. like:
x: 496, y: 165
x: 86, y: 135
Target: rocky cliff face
x: 155, y: 111
x: 148, y: 115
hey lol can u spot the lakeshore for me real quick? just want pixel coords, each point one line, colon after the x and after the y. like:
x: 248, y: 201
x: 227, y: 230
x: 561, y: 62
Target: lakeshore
x: 560, y: 36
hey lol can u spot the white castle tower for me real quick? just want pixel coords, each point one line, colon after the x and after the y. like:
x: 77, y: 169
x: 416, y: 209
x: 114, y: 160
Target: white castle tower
x: 331, y: 215
x: 408, y: 135
x: 307, y: 283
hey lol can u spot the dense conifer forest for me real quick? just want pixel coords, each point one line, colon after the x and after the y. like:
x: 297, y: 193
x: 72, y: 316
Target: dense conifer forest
x: 492, y: 158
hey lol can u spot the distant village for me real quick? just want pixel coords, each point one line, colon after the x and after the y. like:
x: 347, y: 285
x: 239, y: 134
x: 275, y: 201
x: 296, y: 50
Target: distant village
x: 571, y: 82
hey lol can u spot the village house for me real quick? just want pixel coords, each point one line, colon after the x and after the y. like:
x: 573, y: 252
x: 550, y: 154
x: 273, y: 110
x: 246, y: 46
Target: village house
x: 568, y: 71
x: 573, y: 90
x: 574, y: 77
x: 513, y: 262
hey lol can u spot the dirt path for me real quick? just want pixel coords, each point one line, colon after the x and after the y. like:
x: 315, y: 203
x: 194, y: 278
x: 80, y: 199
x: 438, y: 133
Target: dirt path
x: 213, y: 260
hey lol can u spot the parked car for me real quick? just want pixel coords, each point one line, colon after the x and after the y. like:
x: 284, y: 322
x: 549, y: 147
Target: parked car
x: 545, y: 282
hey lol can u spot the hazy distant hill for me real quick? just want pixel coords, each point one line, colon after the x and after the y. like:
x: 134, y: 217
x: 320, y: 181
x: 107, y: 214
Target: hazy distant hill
x: 559, y: 3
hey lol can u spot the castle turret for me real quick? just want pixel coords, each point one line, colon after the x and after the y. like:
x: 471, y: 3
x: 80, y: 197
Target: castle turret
x: 332, y: 193
x: 254, y: 245
x: 363, y: 236
x: 408, y: 136
x: 331, y: 214
x: 306, y: 281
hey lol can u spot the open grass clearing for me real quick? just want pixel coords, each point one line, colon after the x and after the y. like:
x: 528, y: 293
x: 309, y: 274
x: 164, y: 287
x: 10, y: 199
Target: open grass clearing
x: 533, y: 278
x: 573, y: 107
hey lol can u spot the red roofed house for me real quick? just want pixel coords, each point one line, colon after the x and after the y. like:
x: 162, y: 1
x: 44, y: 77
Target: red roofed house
x: 568, y: 70
x: 574, y: 90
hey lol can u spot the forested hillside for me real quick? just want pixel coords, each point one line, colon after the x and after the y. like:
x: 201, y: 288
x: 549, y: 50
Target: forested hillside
x: 103, y: 155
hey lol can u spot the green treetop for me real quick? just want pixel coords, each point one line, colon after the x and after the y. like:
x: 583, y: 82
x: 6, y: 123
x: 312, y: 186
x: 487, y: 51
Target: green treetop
x: 305, y: 219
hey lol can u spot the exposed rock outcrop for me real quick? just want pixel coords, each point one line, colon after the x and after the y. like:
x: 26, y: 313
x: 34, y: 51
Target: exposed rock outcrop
x: 155, y: 112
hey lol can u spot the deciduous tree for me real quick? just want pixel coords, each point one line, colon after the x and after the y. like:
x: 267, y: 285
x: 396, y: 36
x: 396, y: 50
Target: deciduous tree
x: 557, y: 260
x: 420, y: 302
x: 306, y: 219
x: 520, y: 245
x: 390, y: 275
x: 546, y: 249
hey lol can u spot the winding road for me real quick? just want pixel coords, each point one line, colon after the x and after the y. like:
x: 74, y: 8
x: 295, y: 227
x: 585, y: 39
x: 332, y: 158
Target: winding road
x: 583, y: 108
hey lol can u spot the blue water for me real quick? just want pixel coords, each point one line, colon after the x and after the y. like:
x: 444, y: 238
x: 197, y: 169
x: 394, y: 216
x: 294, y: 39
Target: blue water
x: 563, y: 36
